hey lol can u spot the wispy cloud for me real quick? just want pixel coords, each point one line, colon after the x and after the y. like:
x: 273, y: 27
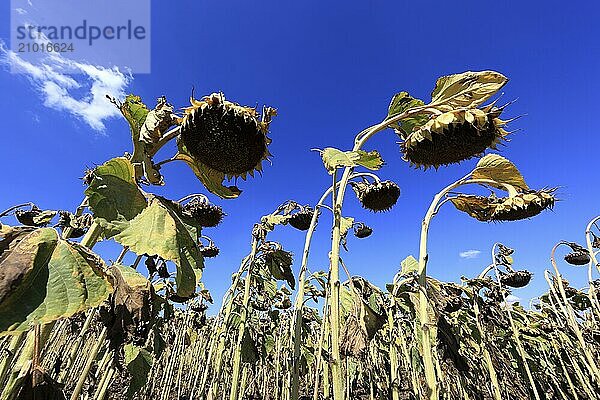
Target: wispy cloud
x: 469, y: 254
x: 57, y: 88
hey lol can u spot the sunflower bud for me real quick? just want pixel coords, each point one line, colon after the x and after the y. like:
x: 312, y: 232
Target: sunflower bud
x: 203, y: 213
x: 362, y: 231
x: 377, y: 196
x: 225, y: 136
x: 516, y: 279
x: 454, y: 136
x: 301, y: 220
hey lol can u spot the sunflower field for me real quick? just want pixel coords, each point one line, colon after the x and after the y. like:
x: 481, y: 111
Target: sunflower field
x: 74, y: 326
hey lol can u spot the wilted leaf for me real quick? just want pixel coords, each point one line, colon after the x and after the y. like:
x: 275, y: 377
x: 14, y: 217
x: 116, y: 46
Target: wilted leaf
x: 157, y: 121
x: 44, y: 278
x: 334, y: 158
x: 345, y: 225
x: 469, y: 89
x: 402, y: 102
x: 114, y: 196
x: 477, y: 207
x: 408, y: 265
x: 499, y: 169
x: 159, y: 230
x: 135, y: 112
x: 211, y: 179
x: 35, y: 216
x: 371, y: 160
x: 248, y: 348
x: 130, y: 311
x: 271, y: 220
x: 139, y: 362
x: 279, y: 263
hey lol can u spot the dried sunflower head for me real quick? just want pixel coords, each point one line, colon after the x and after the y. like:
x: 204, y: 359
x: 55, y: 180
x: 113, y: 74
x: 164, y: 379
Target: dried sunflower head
x: 301, y: 219
x: 500, y: 209
x: 516, y: 279
x: 453, y: 304
x: 225, y: 136
x: 578, y: 255
x: 454, y: 136
x: 209, y: 251
x: 362, y: 231
x: 202, y: 212
x: 79, y: 224
x: 523, y: 205
x: 35, y: 216
x: 377, y: 196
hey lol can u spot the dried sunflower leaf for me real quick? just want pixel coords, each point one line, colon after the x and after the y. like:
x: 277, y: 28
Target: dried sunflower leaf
x: 499, y: 169
x: 157, y: 121
x: 469, y: 89
x: 44, y: 278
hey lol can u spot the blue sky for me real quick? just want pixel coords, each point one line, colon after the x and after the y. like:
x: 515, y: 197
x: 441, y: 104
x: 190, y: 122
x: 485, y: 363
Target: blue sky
x: 331, y: 71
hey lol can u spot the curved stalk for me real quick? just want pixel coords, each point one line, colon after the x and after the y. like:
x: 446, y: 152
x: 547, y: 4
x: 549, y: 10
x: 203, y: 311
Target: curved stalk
x: 593, y: 262
x: 571, y: 318
x: 7, y: 211
x: 515, y: 331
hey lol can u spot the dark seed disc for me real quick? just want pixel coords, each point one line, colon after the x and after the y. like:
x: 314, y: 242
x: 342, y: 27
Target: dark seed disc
x: 225, y: 139
x: 516, y: 279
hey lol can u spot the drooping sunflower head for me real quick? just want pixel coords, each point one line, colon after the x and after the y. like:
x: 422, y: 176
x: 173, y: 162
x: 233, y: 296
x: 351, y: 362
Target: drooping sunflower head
x: 579, y: 255
x: 203, y: 213
x: 516, y: 279
x: 377, y: 196
x: 362, y: 231
x: 501, y: 209
x: 225, y: 136
x: 209, y: 251
x: 454, y: 136
x: 301, y: 219
x: 523, y: 205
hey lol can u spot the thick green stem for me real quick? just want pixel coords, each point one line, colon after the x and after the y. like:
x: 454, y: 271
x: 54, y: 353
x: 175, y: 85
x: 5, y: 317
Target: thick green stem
x: 334, y: 292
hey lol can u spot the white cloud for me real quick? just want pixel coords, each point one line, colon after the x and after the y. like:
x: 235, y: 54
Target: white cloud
x: 20, y: 11
x: 511, y: 299
x: 469, y: 254
x: 56, y: 86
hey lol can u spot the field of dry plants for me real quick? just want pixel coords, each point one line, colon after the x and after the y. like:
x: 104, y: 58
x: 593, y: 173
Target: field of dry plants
x: 74, y: 326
